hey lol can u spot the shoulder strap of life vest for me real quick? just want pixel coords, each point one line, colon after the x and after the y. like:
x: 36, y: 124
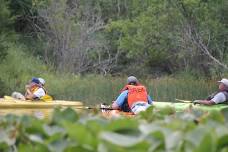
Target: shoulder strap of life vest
x: 126, y: 87
x: 213, y: 94
x: 136, y: 94
x: 226, y: 94
x: 34, y: 88
x: 44, y: 89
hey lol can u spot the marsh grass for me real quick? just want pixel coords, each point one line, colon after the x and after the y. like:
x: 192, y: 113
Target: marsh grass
x: 19, y: 67
x: 168, y: 89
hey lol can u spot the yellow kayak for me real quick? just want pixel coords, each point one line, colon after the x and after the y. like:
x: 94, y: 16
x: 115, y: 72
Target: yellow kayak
x: 9, y: 102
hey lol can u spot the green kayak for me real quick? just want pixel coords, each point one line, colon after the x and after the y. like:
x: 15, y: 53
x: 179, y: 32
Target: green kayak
x: 185, y: 106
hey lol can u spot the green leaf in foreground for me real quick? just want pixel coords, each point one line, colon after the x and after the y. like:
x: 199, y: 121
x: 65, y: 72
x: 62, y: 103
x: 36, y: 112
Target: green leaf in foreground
x: 222, y: 136
x: 201, y: 139
x: 32, y: 147
x: 124, y: 126
x: 120, y: 140
x: 81, y: 135
x: 51, y: 130
x: 115, y: 142
x: 67, y: 114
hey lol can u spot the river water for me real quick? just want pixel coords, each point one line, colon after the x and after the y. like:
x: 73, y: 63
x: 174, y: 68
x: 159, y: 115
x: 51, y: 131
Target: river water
x: 38, y: 113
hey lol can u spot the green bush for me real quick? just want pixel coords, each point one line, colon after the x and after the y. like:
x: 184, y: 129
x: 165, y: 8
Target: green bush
x: 67, y: 131
x: 2, y: 88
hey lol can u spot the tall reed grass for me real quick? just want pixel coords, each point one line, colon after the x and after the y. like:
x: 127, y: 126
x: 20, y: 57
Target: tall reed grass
x: 18, y: 68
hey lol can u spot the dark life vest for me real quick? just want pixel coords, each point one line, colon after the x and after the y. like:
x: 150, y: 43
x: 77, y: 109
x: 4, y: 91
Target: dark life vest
x: 213, y: 95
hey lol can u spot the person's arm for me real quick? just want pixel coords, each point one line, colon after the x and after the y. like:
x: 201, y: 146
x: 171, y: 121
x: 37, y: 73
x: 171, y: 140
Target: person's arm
x: 150, y: 100
x: 28, y: 88
x: 115, y: 105
x: 205, y: 102
x: 120, y: 100
x: 218, y: 98
x: 26, y: 92
x: 37, y: 94
x: 30, y: 96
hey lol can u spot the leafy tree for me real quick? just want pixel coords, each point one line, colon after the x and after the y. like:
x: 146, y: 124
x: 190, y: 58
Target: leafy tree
x: 173, y: 35
x: 129, y: 36
x: 5, y: 25
x: 146, y: 39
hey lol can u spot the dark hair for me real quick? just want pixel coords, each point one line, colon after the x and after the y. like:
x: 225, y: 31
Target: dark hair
x: 132, y: 83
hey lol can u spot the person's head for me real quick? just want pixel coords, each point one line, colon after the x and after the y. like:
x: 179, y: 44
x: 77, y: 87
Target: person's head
x: 35, y: 80
x: 132, y: 80
x: 223, y: 84
x: 42, y: 81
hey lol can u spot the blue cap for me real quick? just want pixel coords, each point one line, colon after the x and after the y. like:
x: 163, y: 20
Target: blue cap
x: 35, y: 80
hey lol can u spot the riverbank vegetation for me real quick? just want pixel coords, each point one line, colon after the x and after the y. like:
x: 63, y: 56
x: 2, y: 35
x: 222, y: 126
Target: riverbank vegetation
x: 86, y: 49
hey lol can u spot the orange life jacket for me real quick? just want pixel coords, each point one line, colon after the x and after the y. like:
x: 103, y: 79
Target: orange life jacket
x: 34, y: 88
x: 46, y: 97
x: 126, y: 87
x: 136, y: 93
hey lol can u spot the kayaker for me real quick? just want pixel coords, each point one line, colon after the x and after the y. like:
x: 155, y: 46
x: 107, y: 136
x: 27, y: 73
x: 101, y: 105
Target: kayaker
x: 41, y: 81
x: 46, y: 97
x: 34, y: 90
x: 134, y: 95
x: 220, y: 96
x: 28, y: 93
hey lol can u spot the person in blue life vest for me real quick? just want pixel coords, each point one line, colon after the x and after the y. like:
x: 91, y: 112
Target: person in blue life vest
x: 134, y: 95
x: 219, y: 96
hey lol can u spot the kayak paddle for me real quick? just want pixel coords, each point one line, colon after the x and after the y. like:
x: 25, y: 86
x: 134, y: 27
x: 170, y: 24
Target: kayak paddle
x: 184, y: 101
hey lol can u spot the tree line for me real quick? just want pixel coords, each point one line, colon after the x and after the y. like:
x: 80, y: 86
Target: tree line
x: 153, y: 37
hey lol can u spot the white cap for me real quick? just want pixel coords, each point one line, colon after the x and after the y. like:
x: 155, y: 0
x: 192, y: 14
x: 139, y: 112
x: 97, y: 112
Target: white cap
x: 224, y: 81
x: 42, y: 81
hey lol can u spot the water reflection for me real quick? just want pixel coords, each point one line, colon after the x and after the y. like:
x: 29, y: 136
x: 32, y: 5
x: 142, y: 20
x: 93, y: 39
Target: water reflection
x: 38, y: 113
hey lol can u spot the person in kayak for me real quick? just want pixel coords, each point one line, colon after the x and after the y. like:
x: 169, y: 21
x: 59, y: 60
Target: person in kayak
x: 46, y: 97
x: 28, y: 90
x: 134, y: 96
x: 34, y: 90
x: 220, y: 96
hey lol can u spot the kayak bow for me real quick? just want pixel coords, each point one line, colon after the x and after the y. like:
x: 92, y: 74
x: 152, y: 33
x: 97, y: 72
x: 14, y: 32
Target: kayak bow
x: 182, y: 106
x: 12, y: 103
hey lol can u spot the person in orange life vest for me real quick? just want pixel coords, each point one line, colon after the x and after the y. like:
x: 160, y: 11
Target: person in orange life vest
x: 135, y: 95
x: 34, y: 90
x: 130, y: 79
x: 220, y: 96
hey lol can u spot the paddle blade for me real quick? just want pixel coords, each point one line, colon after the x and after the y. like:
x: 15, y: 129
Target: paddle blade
x: 184, y: 101
x: 8, y: 98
